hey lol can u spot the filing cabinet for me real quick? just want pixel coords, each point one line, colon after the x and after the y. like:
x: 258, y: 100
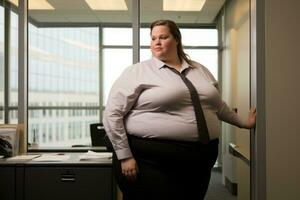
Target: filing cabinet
x: 76, y: 183
x: 57, y: 180
x: 7, y: 182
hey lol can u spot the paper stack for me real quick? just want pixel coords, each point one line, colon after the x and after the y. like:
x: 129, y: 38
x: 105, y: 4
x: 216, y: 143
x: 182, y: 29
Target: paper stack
x: 23, y: 157
x: 52, y: 158
x: 93, y: 156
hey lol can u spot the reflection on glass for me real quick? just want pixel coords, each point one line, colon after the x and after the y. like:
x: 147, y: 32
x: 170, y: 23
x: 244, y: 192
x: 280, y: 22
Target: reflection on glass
x: 63, y: 60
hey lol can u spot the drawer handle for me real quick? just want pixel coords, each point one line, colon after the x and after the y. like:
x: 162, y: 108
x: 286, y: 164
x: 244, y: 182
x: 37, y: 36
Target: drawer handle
x: 67, y: 178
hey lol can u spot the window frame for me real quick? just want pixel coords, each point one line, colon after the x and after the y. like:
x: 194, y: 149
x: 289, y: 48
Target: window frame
x: 13, y: 109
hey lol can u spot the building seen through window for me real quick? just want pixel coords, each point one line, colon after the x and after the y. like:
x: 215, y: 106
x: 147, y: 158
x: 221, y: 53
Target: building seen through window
x: 63, y: 82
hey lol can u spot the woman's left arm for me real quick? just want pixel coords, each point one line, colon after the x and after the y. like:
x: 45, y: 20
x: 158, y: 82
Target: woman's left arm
x: 226, y: 114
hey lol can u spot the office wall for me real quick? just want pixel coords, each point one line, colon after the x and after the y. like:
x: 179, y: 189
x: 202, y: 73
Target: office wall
x: 235, y: 87
x: 282, y: 75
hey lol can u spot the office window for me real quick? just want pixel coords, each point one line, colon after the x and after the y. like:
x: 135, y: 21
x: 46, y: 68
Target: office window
x: 199, y: 43
x: 70, y: 54
x: 58, y: 77
x: 117, y: 55
x: 199, y: 37
x: 10, y: 49
x: 207, y: 57
x: 1, y: 64
x: 13, y: 61
x: 13, y: 68
x: 112, y: 36
x: 73, y: 57
x: 114, y: 63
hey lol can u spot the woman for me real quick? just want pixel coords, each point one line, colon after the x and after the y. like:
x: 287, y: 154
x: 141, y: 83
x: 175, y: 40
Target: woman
x: 163, y: 145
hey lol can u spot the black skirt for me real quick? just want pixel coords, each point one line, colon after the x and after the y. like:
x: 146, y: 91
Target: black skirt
x: 168, y: 169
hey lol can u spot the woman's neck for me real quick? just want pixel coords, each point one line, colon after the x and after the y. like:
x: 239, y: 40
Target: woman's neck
x: 174, y: 63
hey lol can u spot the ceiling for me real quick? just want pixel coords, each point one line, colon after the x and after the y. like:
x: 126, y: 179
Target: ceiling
x: 78, y: 11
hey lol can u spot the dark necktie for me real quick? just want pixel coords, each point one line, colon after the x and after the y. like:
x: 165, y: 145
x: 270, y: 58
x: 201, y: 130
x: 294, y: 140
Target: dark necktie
x: 201, y: 122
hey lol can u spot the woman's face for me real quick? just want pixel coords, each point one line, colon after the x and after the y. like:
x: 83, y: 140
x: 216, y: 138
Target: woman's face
x: 163, y: 44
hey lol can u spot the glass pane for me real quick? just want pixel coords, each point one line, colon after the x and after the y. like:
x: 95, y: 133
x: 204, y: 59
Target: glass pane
x: 63, y: 71
x: 61, y: 128
x: 112, y: 36
x: 112, y: 67
x: 199, y: 37
x: 1, y: 65
x: 145, y: 36
x: 145, y: 54
x: 13, y: 60
x: 207, y: 57
x: 13, y: 116
x: 190, y: 37
x: 64, y: 65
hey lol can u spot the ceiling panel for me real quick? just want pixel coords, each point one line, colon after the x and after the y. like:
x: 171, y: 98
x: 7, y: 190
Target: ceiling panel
x: 77, y: 11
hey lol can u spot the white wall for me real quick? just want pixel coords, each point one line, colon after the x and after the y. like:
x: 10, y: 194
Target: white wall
x: 235, y: 88
x: 282, y: 42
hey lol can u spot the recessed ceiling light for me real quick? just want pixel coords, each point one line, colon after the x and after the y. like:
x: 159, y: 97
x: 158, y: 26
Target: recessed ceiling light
x: 107, y: 4
x: 183, y: 5
x: 36, y: 4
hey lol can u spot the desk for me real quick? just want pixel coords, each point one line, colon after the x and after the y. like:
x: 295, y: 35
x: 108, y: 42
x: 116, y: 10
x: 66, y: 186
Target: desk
x: 71, y: 179
x: 69, y: 149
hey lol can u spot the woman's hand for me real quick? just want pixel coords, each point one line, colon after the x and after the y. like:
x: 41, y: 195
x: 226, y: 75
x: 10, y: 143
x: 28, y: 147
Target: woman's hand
x: 129, y: 168
x: 252, y: 118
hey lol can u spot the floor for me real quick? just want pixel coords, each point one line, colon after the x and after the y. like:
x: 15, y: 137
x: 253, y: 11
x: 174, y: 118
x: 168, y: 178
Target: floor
x: 217, y: 190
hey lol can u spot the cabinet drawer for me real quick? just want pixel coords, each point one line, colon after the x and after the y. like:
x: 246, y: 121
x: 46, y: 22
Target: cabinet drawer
x: 48, y: 183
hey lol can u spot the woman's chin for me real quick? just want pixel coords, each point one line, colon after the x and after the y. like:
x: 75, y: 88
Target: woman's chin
x: 160, y: 56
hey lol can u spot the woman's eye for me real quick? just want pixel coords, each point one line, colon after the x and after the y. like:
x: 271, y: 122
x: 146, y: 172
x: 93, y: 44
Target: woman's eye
x: 163, y: 37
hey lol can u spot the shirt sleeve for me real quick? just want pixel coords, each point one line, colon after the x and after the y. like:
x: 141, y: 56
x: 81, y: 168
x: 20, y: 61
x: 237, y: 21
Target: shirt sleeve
x: 122, y: 97
x: 224, y: 113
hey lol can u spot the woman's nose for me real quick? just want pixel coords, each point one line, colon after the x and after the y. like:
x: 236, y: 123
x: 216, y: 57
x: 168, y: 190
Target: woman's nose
x: 157, y: 41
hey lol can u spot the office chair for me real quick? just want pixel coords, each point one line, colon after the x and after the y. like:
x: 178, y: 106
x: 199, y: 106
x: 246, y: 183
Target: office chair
x: 99, y: 137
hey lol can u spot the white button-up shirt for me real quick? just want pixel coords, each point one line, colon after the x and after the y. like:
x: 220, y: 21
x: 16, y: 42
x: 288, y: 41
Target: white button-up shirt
x: 149, y: 100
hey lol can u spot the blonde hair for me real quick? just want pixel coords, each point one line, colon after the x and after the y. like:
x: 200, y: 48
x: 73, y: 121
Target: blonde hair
x: 174, y: 30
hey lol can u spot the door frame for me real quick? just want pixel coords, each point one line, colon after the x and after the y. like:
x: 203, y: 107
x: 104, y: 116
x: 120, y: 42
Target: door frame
x: 257, y: 98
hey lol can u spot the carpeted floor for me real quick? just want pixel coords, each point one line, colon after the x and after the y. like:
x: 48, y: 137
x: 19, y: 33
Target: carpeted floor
x: 217, y: 190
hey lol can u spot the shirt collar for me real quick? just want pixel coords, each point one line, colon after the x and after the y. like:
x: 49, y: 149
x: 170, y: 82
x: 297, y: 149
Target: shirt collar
x: 160, y: 64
